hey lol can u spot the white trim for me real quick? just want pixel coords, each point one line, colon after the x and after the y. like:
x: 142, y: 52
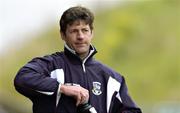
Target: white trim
x: 46, y: 93
x: 92, y: 110
x: 58, y: 95
x: 84, y: 61
x: 59, y: 75
x: 112, y: 87
x: 72, y: 51
x: 118, y: 97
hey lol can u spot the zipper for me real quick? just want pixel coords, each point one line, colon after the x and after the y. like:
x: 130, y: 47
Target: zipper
x: 83, y: 66
x: 84, y: 61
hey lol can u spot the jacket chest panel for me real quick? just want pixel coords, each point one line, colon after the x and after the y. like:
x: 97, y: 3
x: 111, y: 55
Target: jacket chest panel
x: 74, y: 74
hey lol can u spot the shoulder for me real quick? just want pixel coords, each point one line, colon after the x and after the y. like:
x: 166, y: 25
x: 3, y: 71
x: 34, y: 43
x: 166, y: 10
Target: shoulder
x: 46, y: 61
x: 48, y: 58
x: 108, y: 71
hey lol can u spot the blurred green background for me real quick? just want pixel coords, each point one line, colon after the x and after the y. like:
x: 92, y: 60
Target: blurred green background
x: 139, y: 39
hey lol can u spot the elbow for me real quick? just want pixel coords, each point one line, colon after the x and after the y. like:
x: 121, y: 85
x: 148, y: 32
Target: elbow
x: 19, y: 81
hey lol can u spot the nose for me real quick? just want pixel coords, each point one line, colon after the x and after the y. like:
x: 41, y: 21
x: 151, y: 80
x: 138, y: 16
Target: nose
x: 80, y: 35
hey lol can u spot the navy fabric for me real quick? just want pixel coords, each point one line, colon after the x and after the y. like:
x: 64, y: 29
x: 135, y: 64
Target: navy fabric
x: 34, y: 78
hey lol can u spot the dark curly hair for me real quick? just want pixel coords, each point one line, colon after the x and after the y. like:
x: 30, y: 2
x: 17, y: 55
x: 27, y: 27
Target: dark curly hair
x: 76, y: 13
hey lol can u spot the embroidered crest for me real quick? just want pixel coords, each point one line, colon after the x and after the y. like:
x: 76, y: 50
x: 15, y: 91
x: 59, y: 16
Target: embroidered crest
x: 96, y: 88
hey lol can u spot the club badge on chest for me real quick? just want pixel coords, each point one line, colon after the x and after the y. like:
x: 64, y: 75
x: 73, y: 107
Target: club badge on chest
x: 96, y: 88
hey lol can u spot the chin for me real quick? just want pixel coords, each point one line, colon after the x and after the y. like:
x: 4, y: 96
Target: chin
x: 82, y: 51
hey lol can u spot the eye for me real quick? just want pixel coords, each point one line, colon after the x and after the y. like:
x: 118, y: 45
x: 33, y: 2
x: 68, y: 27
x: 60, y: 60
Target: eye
x: 85, y: 30
x: 73, y: 31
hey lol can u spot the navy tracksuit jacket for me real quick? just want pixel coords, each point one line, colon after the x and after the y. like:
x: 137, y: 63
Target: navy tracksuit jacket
x: 40, y: 79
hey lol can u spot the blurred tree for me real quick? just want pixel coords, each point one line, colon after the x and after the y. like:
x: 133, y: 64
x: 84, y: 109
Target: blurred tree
x: 140, y: 39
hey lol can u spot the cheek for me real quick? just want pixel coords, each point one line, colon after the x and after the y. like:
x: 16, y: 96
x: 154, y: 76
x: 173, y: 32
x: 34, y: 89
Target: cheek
x: 69, y: 39
x: 90, y: 38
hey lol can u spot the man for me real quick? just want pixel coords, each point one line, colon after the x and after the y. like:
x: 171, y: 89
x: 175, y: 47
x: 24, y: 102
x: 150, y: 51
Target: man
x: 65, y: 81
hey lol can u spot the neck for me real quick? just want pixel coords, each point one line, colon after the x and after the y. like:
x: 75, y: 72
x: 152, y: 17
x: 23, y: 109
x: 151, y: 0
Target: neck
x: 83, y: 56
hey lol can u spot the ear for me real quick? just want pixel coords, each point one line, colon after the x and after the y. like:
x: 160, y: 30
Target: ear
x: 62, y: 35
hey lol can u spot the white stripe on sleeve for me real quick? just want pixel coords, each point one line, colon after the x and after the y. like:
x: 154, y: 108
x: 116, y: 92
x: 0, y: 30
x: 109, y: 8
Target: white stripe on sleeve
x: 59, y: 75
x: 112, y: 86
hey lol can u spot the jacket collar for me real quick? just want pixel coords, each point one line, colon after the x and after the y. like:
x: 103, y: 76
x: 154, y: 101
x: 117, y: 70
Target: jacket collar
x: 72, y: 55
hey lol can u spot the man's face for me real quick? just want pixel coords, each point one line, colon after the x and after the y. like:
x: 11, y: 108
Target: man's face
x: 78, y: 37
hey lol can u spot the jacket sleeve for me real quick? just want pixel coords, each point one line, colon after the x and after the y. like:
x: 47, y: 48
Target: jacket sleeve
x: 34, y: 79
x: 122, y: 102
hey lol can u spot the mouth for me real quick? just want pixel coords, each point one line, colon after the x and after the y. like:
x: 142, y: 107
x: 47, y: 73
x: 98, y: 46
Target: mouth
x: 80, y: 44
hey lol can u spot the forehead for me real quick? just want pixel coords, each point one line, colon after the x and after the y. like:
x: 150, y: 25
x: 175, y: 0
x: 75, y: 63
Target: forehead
x: 78, y: 23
